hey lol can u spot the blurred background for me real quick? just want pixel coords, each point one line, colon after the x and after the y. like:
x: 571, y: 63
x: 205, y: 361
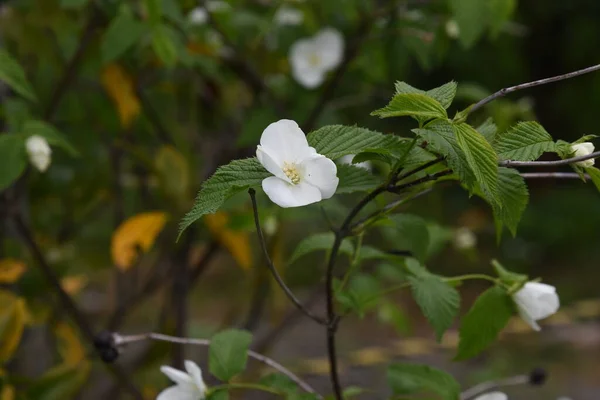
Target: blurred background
x: 148, y: 98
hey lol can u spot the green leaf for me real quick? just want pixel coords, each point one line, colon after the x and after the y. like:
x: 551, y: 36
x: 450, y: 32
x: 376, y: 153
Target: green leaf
x: 13, y: 158
x: 13, y: 75
x: 72, y: 3
x: 123, y: 33
x: 443, y: 94
x: 525, y: 141
x: 481, y: 158
x: 471, y: 17
x: 163, y: 43
x: 361, y: 294
x: 228, y: 353
x: 61, y: 382
x: 440, y: 138
x: 412, y: 233
x: 421, y: 377
x: 154, y: 9
x: 354, y: 179
x: 335, y: 141
x: 500, y: 12
x: 412, y: 104
x: 514, y: 196
x: 481, y: 325
x: 219, y: 394
x: 488, y: 129
x: 319, y: 241
x: 229, y: 179
x: 51, y: 134
x: 594, y: 175
x: 437, y: 299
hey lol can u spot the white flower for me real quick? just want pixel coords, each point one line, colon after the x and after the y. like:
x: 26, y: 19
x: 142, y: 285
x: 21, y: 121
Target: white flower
x: 536, y: 301
x: 492, y: 396
x: 347, y: 159
x: 39, y: 152
x: 583, y: 149
x: 188, y: 386
x: 270, y: 225
x: 198, y: 16
x: 301, y: 175
x: 313, y: 57
x: 464, y: 238
x: 452, y: 29
x: 288, y: 16
x: 217, y: 6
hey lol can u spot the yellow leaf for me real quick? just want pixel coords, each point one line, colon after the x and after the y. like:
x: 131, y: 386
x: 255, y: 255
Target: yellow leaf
x: 13, y: 316
x: 120, y: 87
x: 73, y: 284
x: 236, y: 242
x: 8, y: 393
x: 137, y: 233
x: 11, y: 270
x: 69, y: 345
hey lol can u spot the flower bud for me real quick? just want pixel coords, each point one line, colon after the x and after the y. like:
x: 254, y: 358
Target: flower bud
x: 536, y: 301
x: 464, y: 239
x: 583, y: 149
x: 39, y: 152
x: 452, y: 29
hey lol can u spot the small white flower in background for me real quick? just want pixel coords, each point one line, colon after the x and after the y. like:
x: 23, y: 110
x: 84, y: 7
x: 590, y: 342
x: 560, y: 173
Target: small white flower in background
x: 583, y: 149
x: 270, y: 225
x: 347, y: 159
x: 39, y: 152
x: 536, y: 301
x: 188, y: 386
x: 464, y: 239
x: 301, y: 176
x: 288, y: 16
x: 492, y: 396
x: 314, y: 57
x: 452, y: 29
x: 199, y: 16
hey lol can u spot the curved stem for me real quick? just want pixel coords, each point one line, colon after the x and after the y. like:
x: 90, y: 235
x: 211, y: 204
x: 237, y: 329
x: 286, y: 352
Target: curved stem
x: 470, y: 277
x: 332, y: 317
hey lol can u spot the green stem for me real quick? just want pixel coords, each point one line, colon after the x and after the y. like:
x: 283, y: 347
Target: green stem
x: 250, y: 386
x: 471, y: 276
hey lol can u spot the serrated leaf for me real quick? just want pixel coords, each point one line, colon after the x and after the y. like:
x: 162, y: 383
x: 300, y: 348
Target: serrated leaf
x: 229, y: 179
x: 403, y: 378
x: 13, y: 158
x: 514, y: 196
x: 481, y: 158
x: 438, y: 301
x: 444, y: 94
x: 412, y: 104
x: 440, y: 138
x: 319, y: 241
x: 488, y: 129
x: 228, y: 353
x: 13, y: 75
x: 50, y: 133
x: 123, y: 33
x: 525, y: 141
x: 355, y: 179
x: 335, y: 141
x: 412, y: 231
x: 481, y: 325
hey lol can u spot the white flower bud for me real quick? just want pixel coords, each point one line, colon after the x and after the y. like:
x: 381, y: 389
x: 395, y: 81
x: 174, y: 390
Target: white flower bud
x: 583, y: 149
x: 536, y: 301
x: 270, y: 225
x: 39, y: 152
x: 288, y: 16
x: 464, y: 239
x: 452, y: 29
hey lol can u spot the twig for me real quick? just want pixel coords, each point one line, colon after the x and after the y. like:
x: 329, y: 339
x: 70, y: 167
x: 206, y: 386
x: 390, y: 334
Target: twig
x: 123, y: 340
x: 68, y: 304
x: 505, y: 91
x: 494, y: 384
x: 272, y: 268
x: 426, y: 178
x: 566, y: 161
x: 552, y: 175
x: 418, y: 169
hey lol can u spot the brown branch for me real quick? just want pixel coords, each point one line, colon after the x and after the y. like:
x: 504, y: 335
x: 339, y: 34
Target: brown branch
x: 553, y: 175
x: 566, y: 161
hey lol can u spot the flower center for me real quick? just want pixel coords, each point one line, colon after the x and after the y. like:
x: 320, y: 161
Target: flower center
x: 314, y: 59
x: 291, y: 172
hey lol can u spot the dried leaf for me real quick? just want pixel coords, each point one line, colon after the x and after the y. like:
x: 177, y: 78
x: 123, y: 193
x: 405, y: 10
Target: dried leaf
x: 236, y: 242
x: 69, y: 346
x: 13, y: 316
x: 73, y: 284
x: 11, y: 270
x: 120, y: 87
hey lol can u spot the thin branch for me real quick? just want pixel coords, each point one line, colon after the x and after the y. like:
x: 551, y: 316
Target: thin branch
x: 494, y: 384
x: 68, y: 304
x: 123, y: 340
x: 272, y: 268
x: 566, y: 161
x: 426, y: 178
x: 505, y: 91
x: 418, y: 169
x: 552, y: 175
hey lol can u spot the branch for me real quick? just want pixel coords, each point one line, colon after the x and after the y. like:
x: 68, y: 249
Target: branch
x: 567, y: 161
x: 272, y: 268
x: 426, y: 178
x: 494, y: 384
x: 68, y: 304
x: 505, y: 91
x: 123, y: 340
x: 553, y: 175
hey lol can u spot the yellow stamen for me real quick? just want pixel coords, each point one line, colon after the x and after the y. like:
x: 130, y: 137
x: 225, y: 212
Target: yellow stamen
x: 314, y: 59
x: 291, y: 172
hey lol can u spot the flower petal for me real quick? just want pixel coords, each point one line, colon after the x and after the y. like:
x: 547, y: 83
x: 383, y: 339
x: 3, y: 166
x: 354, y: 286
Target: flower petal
x: 284, y: 141
x: 320, y: 171
x: 310, y: 77
x: 177, y: 393
x: 287, y: 195
x: 195, y: 373
x: 177, y: 376
x: 270, y: 164
x: 330, y: 47
x: 301, y: 52
x: 492, y: 396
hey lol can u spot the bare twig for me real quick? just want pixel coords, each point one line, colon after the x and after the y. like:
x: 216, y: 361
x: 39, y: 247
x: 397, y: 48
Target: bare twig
x: 272, y: 268
x: 566, y: 161
x: 505, y: 91
x: 494, y: 384
x: 123, y: 340
x: 552, y: 175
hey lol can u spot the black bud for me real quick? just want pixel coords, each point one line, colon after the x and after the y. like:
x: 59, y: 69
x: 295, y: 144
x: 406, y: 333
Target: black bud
x: 104, y: 340
x: 538, y: 376
x: 109, y: 354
